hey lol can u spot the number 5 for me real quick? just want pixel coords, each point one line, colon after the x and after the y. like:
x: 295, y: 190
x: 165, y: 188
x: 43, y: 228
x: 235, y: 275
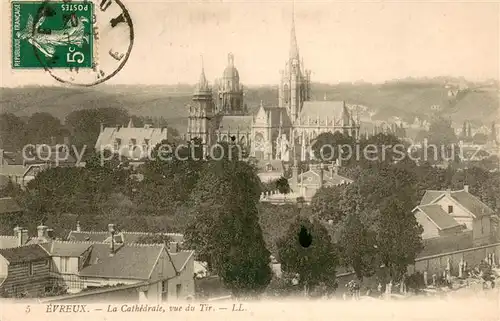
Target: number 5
x: 71, y: 56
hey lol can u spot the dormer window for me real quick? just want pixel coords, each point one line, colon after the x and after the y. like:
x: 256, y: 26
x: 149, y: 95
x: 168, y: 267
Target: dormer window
x: 269, y: 167
x: 450, y: 209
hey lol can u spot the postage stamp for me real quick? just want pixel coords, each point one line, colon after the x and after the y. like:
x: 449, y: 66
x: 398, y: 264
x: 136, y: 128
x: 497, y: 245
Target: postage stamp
x: 52, y: 34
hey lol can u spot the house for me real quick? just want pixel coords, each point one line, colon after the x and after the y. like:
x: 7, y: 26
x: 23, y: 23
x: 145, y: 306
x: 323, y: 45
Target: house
x: 22, y: 166
x: 270, y: 170
x: 305, y: 185
x: 448, y: 213
x: 130, y: 141
x: 308, y: 183
x: 24, y: 271
x: 162, y: 272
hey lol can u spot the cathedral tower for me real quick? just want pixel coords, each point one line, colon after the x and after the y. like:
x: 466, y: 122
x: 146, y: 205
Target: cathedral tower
x: 230, y: 92
x: 295, y: 86
x: 201, y: 111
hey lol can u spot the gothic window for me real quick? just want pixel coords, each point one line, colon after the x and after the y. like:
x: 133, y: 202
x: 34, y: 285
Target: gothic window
x: 243, y: 140
x: 286, y: 91
x: 259, y: 141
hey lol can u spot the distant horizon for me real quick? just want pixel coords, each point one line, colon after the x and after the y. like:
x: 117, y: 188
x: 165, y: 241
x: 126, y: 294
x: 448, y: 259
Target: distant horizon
x: 408, y: 79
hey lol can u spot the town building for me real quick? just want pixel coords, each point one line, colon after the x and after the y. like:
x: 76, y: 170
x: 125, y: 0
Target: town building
x: 36, y: 266
x: 23, y: 166
x: 306, y: 184
x: 129, y: 141
x: 219, y: 114
x: 454, y: 220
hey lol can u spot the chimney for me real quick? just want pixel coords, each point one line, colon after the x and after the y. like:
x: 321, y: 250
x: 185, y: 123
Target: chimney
x: 173, y: 247
x: 78, y: 229
x: 448, y: 192
x: 66, y: 141
x: 466, y: 188
x: 52, y: 141
x: 42, y: 231
x: 111, y: 229
x: 50, y: 233
x: 21, y: 235
x: 102, y: 127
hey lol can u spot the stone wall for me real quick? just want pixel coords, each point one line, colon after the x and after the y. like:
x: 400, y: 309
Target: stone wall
x: 435, y: 264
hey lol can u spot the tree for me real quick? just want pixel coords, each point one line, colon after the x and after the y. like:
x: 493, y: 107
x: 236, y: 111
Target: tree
x: 282, y: 185
x: 357, y: 246
x: 398, y: 237
x: 326, y: 203
x: 329, y: 147
x: 315, y: 264
x: 41, y: 127
x: 85, y: 124
x: 224, y: 227
x: 12, y: 132
x: 441, y: 139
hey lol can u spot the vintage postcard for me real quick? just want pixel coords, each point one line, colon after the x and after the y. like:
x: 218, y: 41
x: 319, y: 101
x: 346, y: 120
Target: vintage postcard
x: 268, y: 160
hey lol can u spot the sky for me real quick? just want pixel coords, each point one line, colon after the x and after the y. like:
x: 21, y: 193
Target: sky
x: 338, y: 41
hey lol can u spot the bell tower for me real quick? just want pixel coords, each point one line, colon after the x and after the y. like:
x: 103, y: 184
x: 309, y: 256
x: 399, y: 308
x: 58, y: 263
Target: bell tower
x: 295, y: 86
x: 201, y: 111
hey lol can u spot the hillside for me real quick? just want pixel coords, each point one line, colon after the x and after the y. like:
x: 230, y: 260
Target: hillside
x: 403, y: 99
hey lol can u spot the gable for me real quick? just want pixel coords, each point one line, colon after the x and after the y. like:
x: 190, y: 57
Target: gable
x: 309, y: 177
x: 261, y: 116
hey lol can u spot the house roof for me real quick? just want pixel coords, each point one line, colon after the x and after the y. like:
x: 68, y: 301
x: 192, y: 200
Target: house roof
x: 440, y: 218
x: 130, y: 261
x: 126, y: 134
x: 466, y: 199
x: 472, y: 203
x: 25, y: 253
x: 328, y: 178
x: 7, y: 241
x: 66, y: 248
x: 9, y: 205
x: 429, y: 196
x: 121, y: 237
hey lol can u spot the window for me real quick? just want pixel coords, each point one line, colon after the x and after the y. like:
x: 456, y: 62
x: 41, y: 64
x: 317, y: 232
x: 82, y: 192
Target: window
x: 450, y: 209
x: 64, y: 264
x: 31, y: 269
x: 164, y: 290
x: 118, y: 143
x: 178, y: 289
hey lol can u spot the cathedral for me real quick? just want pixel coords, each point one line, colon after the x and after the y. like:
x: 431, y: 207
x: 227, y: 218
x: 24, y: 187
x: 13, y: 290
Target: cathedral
x: 282, y: 132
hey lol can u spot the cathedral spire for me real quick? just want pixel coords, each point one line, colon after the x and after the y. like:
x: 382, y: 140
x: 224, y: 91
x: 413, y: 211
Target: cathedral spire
x: 294, y: 49
x: 202, y: 83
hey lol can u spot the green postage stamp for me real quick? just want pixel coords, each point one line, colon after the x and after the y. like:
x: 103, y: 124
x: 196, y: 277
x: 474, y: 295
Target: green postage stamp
x: 52, y: 34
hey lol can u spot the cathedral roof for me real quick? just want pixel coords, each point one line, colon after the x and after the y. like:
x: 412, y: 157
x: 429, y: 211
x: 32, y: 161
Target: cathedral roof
x: 244, y: 123
x: 331, y: 109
